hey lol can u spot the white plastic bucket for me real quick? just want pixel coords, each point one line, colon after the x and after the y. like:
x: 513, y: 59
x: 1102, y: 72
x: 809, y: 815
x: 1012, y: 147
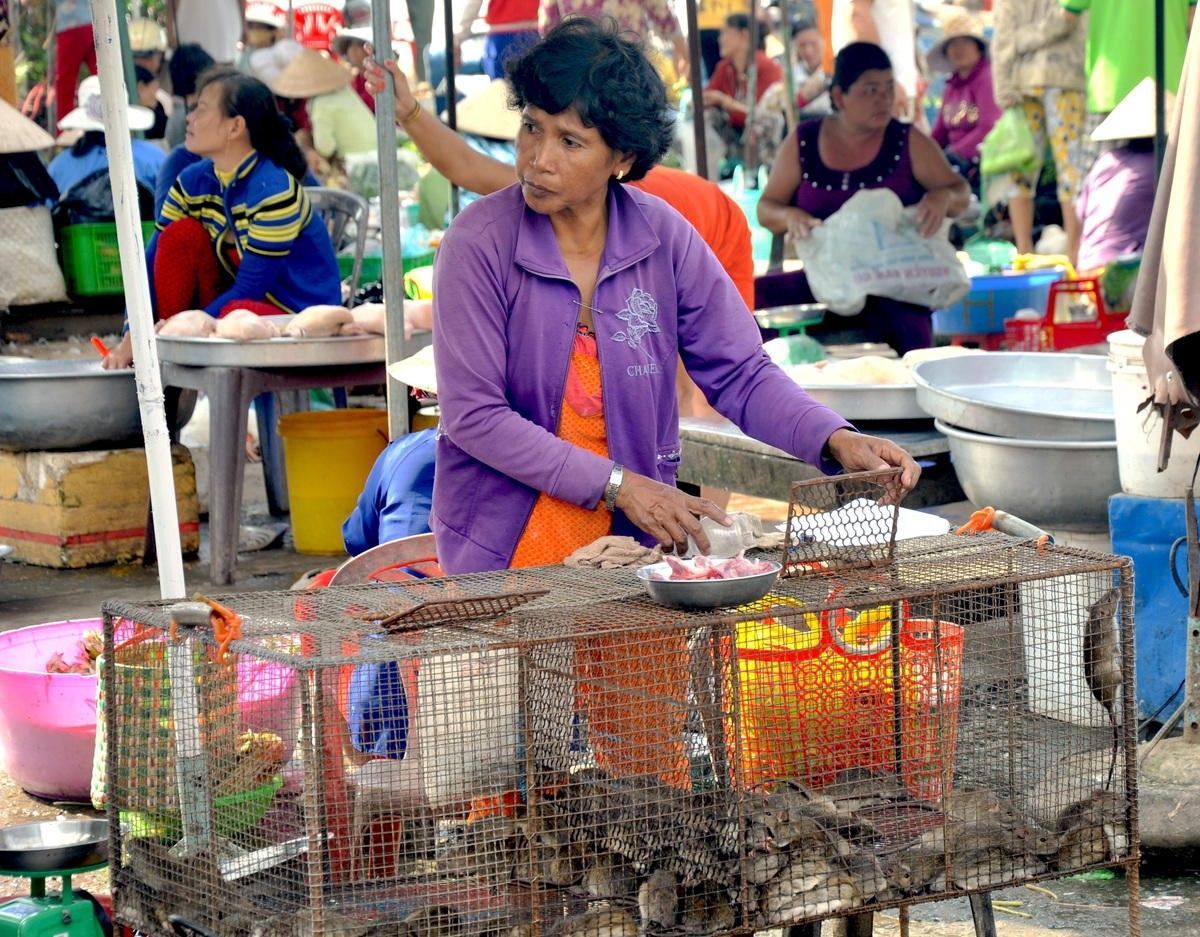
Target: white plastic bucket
x: 1138, y: 434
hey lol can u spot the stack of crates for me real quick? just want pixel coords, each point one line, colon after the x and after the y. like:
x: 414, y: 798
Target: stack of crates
x: 979, y: 318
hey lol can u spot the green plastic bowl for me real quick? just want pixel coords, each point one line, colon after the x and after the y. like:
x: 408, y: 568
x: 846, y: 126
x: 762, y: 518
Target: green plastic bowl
x: 232, y: 814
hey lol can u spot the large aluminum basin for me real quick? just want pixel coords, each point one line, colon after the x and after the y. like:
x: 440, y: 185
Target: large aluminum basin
x: 1057, y: 485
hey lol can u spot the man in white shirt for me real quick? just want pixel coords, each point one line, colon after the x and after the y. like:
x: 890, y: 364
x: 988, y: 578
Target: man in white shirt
x: 889, y: 24
x: 214, y: 25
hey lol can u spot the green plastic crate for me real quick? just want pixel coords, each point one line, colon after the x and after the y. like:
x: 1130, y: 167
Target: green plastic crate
x: 91, y: 258
x: 372, y: 267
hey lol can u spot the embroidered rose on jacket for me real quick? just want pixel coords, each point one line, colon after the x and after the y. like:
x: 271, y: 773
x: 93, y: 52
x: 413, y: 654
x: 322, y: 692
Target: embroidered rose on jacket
x: 640, y: 315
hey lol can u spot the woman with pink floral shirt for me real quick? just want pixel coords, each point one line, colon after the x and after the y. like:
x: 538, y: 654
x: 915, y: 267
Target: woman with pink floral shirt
x: 643, y: 17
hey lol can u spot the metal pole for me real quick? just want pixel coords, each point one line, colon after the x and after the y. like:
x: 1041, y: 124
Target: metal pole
x: 1160, y: 89
x: 695, y: 78
x: 106, y: 27
x: 451, y: 92
x: 749, y: 153
x: 789, y: 76
x: 389, y: 221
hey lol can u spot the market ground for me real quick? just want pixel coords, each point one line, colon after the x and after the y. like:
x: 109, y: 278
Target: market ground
x: 1169, y: 903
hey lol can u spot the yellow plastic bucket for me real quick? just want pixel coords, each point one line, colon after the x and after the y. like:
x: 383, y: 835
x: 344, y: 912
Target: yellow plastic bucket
x: 328, y: 455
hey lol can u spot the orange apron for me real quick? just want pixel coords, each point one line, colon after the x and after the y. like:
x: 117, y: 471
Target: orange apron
x: 632, y: 687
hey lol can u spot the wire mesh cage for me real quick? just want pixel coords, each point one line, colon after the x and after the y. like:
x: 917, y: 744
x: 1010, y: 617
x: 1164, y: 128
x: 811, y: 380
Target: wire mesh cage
x: 843, y: 522
x: 549, y: 752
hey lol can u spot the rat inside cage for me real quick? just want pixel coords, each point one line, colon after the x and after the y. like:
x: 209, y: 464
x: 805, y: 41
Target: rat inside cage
x: 548, y: 752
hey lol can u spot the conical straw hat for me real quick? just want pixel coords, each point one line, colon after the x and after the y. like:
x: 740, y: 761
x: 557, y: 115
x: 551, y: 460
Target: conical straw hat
x: 1133, y: 117
x: 19, y: 134
x: 487, y: 113
x: 310, y: 74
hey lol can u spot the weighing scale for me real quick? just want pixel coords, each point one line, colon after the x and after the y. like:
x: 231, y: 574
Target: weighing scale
x: 794, y: 345
x: 53, y: 849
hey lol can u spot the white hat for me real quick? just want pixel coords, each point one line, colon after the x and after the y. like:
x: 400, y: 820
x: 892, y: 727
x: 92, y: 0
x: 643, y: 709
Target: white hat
x: 19, y: 134
x: 416, y: 371
x: 265, y: 14
x: 486, y: 113
x: 146, y: 36
x: 89, y: 115
x: 1133, y: 117
x: 266, y: 64
x: 344, y: 36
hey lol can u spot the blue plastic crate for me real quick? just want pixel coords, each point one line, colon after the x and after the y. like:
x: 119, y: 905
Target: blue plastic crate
x: 994, y: 298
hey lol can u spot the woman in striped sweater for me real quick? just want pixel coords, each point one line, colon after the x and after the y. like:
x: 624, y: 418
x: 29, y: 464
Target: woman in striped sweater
x: 236, y: 229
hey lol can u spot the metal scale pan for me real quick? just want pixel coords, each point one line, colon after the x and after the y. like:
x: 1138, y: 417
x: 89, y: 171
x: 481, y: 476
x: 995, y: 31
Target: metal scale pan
x: 53, y: 846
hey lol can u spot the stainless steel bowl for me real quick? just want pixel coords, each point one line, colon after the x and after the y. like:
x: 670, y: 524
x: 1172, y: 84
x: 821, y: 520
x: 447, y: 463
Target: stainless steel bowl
x: 706, y: 593
x: 1035, y: 395
x: 70, y: 403
x: 1053, y: 484
x: 52, y: 846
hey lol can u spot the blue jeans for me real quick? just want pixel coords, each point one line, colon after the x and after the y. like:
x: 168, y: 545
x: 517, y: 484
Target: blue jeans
x: 498, y: 47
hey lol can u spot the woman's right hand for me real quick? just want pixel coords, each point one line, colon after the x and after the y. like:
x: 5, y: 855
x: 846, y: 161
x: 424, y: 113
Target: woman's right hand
x: 120, y: 356
x: 665, y: 513
x: 376, y: 76
x: 800, y: 224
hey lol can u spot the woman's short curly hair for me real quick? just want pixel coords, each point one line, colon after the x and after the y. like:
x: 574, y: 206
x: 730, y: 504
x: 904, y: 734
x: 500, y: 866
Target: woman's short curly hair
x: 604, y: 74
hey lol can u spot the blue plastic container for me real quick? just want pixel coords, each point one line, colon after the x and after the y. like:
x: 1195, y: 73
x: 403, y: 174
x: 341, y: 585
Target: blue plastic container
x: 1144, y: 529
x: 994, y: 298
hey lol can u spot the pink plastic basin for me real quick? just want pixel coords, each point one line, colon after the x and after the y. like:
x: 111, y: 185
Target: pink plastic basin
x: 48, y: 720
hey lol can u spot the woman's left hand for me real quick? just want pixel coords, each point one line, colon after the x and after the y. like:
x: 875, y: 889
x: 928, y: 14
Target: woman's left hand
x: 717, y: 99
x: 931, y: 211
x: 857, y: 452
x: 665, y: 513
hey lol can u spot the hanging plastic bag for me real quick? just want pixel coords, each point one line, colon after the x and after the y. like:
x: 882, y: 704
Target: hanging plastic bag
x: 1009, y: 145
x: 871, y: 247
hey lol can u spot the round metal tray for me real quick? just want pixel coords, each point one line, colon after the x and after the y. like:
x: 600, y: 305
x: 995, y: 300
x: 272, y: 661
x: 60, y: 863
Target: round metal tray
x: 869, y: 401
x: 53, y: 846
x: 1031, y: 395
x: 272, y: 352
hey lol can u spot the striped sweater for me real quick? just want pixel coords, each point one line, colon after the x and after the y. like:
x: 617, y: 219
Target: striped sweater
x: 285, y: 254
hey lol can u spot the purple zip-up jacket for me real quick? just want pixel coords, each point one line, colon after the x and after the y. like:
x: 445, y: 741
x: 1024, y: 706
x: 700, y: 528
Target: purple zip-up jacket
x: 506, y: 311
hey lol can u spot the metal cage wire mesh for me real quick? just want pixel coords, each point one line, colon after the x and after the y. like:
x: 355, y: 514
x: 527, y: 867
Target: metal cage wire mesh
x: 552, y: 753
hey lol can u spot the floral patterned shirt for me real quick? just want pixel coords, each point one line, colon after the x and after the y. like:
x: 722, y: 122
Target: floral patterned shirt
x: 639, y: 16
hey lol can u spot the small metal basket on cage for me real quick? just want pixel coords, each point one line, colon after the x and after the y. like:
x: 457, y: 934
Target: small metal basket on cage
x: 842, y: 523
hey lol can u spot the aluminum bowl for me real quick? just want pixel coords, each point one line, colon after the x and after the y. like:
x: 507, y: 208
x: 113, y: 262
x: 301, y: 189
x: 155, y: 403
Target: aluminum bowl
x: 54, y: 845
x: 706, y: 593
x: 1054, y: 484
x: 1034, y: 395
x: 68, y: 403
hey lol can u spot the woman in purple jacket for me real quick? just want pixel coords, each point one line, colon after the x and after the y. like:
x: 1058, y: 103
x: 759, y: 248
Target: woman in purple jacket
x: 563, y: 304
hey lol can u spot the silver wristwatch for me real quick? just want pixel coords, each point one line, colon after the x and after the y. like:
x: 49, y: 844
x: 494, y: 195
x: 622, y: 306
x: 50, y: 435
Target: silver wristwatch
x: 614, y: 485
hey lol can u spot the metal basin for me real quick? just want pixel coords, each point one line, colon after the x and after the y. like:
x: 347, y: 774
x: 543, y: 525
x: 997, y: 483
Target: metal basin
x: 1020, y: 395
x: 706, y: 593
x: 68, y: 404
x: 52, y: 846
x: 1053, y: 484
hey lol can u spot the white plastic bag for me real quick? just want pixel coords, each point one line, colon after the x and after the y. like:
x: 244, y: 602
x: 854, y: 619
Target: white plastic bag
x: 30, y: 273
x: 871, y: 247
